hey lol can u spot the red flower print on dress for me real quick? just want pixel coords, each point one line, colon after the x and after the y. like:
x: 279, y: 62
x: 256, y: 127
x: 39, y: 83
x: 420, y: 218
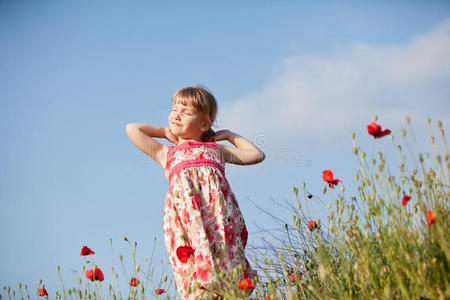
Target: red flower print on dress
x: 212, y: 197
x: 86, y: 251
x: 405, y: 199
x: 230, y: 238
x: 244, y: 235
x: 95, y: 275
x: 375, y: 130
x: 328, y: 177
x: 225, y: 189
x: 43, y: 292
x: 177, y: 221
x: 312, y: 225
x: 196, y: 201
x: 210, y: 237
x: 184, y: 253
x: 171, y: 234
x: 159, y: 291
x: 134, y: 281
x: 246, y: 284
x: 430, y: 218
x: 203, y: 267
x: 186, y: 218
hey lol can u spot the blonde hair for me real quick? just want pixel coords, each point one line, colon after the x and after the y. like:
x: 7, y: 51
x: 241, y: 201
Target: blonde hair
x: 203, y: 100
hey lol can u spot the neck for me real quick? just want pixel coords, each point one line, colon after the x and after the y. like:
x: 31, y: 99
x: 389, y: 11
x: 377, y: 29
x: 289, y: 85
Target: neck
x: 194, y: 139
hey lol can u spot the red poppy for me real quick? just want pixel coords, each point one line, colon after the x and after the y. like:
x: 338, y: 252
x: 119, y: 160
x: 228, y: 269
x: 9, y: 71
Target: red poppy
x: 246, y: 284
x: 349, y: 233
x: 430, y: 218
x: 184, y: 253
x: 327, y: 176
x: 312, y: 225
x: 265, y: 298
x: 159, y: 291
x: 294, y: 278
x: 98, y: 275
x: 86, y: 251
x: 43, y: 292
x: 375, y: 130
x: 134, y: 281
x: 405, y: 199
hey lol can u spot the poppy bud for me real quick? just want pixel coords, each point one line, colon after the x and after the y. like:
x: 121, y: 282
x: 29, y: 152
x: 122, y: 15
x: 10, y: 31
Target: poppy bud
x: 138, y: 267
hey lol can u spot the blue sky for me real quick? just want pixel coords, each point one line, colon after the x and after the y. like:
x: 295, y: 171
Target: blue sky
x: 294, y: 77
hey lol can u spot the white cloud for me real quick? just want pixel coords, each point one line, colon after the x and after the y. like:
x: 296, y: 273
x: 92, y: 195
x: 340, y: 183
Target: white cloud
x: 323, y: 99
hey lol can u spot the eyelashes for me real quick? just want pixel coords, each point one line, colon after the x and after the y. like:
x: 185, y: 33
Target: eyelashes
x: 189, y: 114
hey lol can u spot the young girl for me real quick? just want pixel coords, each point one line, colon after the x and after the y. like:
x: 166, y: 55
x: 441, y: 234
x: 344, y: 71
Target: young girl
x: 203, y: 225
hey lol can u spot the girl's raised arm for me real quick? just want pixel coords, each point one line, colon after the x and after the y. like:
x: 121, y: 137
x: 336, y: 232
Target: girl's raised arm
x: 245, y: 153
x: 142, y: 134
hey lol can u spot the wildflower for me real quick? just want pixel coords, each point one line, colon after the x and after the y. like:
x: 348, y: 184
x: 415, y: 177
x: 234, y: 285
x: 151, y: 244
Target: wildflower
x: 430, y: 218
x: 134, y: 281
x: 43, y: 292
x: 349, y: 233
x: 184, y: 253
x: 294, y: 278
x: 312, y: 225
x: 375, y: 130
x: 246, y: 283
x: 159, y: 291
x: 405, y: 199
x: 327, y: 176
x: 86, y: 251
x: 95, y: 274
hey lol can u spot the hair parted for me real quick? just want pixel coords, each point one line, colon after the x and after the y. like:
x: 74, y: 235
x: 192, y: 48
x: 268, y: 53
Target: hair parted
x: 203, y: 100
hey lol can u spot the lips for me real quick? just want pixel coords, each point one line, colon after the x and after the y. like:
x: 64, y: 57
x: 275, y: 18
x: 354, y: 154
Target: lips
x: 176, y: 124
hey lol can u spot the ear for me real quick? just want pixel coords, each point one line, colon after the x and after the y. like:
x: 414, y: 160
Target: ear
x: 205, y: 126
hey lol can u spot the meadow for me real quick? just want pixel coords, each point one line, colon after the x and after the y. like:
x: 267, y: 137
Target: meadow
x: 388, y: 241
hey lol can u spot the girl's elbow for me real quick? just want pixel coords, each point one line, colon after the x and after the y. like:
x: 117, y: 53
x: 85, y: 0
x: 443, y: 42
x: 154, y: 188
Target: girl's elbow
x: 259, y: 158
x: 262, y: 157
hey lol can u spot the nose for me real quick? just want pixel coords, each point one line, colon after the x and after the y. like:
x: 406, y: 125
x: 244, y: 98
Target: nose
x: 176, y: 115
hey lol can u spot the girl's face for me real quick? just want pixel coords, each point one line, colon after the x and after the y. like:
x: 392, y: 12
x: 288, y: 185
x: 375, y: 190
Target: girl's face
x: 186, y: 121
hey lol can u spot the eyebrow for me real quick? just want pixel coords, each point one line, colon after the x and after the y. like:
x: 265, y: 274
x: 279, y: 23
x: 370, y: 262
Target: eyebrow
x: 192, y: 109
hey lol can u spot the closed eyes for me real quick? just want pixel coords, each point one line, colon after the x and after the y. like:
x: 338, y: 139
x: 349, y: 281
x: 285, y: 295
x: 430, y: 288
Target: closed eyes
x: 188, y: 113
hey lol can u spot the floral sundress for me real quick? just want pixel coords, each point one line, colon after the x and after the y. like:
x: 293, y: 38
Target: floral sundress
x: 203, y: 225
